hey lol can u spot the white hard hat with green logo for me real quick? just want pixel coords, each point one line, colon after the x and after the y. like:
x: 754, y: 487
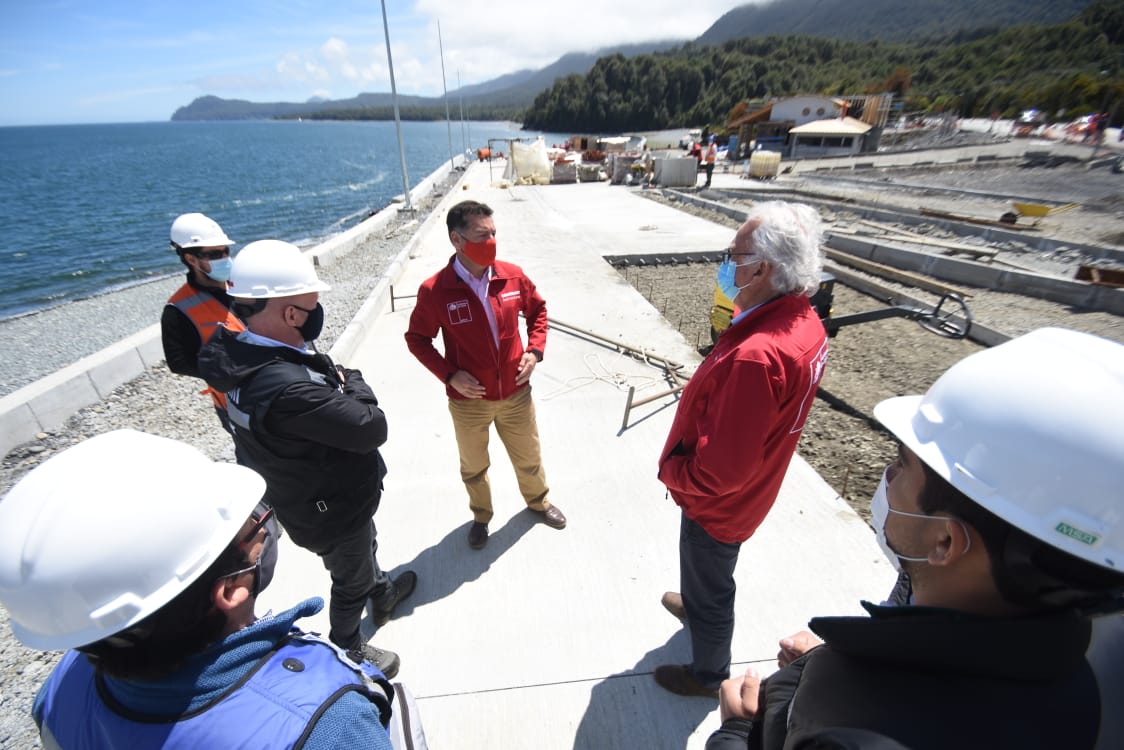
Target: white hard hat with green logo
x: 1033, y: 431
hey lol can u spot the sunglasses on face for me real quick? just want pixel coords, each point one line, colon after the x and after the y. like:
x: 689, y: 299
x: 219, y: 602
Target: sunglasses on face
x: 211, y: 254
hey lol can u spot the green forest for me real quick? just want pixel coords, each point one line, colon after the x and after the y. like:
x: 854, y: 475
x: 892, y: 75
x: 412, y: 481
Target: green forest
x: 1075, y: 68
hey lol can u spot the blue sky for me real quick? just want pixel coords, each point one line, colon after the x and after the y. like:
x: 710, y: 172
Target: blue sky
x: 87, y: 61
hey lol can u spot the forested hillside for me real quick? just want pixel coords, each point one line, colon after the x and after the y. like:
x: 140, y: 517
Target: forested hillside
x: 1075, y: 66
x: 885, y: 20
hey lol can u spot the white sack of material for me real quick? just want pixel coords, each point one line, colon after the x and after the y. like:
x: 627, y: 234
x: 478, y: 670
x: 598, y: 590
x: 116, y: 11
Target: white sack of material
x: 532, y: 167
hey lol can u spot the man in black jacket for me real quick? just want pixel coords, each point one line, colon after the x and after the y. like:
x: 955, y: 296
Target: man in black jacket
x: 201, y: 306
x: 312, y: 429
x: 1003, y: 507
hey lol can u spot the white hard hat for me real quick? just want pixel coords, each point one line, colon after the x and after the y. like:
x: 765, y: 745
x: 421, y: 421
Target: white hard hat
x: 197, y: 230
x: 102, y: 535
x: 1033, y: 431
x: 272, y: 268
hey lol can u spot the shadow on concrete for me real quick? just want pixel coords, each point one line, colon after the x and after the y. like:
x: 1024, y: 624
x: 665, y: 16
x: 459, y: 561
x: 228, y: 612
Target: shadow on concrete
x: 628, y: 710
x: 450, y: 563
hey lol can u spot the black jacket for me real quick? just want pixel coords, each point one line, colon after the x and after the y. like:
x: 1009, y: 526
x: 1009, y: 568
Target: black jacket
x: 310, y: 428
x: 933, y: 678
x: 179, y: 335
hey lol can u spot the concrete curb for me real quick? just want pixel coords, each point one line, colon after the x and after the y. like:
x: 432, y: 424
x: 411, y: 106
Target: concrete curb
x: 47, y: 403
x: 1078, y: 294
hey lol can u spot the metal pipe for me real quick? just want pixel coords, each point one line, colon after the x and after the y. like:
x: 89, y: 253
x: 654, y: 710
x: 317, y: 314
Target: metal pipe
x: 397, y: 117
x: 445, y: 88
x: 629, y: 402
x: 653, y: 359
x: 460, y: 96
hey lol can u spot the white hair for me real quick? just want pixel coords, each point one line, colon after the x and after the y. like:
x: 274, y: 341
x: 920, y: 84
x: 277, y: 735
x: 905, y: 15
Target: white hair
x: 788, y: 237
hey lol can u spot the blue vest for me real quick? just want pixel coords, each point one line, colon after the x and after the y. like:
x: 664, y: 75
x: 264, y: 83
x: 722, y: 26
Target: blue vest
x: 275, y: 705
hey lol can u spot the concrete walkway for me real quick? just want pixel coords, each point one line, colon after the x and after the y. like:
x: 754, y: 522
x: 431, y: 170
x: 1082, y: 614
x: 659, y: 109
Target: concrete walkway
x: 547, y: 639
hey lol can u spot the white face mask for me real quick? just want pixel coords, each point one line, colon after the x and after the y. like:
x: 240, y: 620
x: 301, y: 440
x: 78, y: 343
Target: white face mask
x: 220, y: 269
x: 880, y: 510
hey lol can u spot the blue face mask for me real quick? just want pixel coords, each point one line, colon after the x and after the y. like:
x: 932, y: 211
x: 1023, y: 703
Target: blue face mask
x: 726, y: 272
x: 220, y: 269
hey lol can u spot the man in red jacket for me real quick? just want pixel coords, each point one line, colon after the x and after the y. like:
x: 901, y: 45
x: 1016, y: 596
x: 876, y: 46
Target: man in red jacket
x: 737, y: 426
x: 475, y: 303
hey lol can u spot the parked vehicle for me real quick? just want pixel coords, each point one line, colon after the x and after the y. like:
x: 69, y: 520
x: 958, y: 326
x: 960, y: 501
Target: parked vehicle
x: 693, y: 136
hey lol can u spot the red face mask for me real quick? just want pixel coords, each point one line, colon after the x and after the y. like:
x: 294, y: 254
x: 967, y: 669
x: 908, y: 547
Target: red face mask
x: 481, y: 253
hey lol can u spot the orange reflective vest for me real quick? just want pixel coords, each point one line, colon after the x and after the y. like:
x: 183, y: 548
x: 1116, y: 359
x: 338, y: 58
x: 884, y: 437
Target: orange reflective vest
x: 711, y: 154
x: 207, y: 314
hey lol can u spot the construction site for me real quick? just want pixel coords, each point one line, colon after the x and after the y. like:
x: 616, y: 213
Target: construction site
x: 1020, y: 238
x: 1029, y: 235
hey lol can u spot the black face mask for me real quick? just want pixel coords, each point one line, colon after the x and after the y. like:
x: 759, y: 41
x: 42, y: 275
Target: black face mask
x: 267, y: 560
x: 312, y: 326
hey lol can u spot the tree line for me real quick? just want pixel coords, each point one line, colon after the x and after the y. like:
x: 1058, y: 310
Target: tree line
x: 1072, y: 68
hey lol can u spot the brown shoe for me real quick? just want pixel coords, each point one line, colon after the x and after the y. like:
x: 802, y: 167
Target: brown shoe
x: 477, y: 535
x: 553, y: 517
x: 677, y: 678
x: 672, y: 601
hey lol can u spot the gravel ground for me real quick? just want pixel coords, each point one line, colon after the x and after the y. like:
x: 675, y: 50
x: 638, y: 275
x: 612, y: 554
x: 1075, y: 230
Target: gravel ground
x: 868, y: 362
x: 878, y: 360
x: 157, y: 402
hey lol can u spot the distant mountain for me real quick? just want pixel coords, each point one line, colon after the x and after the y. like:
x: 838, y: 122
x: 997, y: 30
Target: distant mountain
x: 885, y: 20
x: 514, y: 91
x: 216, y: 108
x: 522, y: 87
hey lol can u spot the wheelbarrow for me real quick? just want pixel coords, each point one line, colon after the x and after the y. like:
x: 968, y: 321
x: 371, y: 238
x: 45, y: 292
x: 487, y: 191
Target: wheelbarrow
x: 1036, y: 211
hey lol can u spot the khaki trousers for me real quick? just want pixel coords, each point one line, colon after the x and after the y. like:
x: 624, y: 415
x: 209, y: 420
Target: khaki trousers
x: 514, y: 419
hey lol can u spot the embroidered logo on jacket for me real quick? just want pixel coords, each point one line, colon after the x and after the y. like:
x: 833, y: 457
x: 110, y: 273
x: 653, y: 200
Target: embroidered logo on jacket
x: 459, y: 312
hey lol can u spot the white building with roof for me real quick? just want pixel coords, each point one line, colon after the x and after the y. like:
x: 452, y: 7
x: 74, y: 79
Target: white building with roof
x: 840, y: 136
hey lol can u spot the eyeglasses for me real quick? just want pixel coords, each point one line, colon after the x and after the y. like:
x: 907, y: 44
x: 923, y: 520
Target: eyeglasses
x: 261, y: 516
x: 211, y: 254
x: 729, y: 255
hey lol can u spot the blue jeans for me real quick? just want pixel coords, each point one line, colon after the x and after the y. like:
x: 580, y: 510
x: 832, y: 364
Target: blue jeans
x: 706, y: 580
x: 356, y: 577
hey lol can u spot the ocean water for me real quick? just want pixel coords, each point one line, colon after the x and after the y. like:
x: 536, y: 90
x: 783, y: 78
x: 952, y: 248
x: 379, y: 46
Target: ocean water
x: 85, y: 209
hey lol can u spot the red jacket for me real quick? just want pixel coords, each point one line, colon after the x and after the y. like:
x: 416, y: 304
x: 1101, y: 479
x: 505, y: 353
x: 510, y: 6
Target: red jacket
x: 740, y: 417
x: 446, y: 304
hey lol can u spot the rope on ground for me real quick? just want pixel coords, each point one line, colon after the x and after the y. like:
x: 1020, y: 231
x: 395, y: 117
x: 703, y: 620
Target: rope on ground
x: 600, y: 372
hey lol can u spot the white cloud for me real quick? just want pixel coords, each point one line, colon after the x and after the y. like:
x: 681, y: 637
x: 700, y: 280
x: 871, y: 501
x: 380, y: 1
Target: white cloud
x: 293, y: 67
x: 334, y: 49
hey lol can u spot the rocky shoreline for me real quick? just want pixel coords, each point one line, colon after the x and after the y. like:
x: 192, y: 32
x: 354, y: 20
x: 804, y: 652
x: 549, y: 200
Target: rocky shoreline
x: 157, y: 402
x: 868, y: 363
